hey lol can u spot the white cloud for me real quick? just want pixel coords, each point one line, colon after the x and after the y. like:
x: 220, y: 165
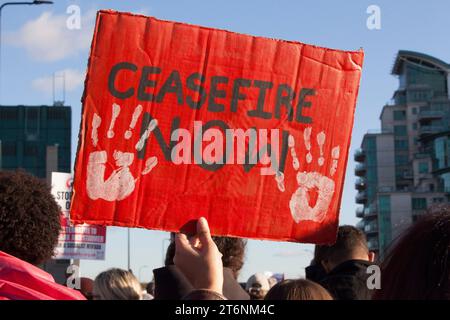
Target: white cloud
x: 47, y: 38
x: 294, y: 253
x: 73, y: 80
x: 144, y: 11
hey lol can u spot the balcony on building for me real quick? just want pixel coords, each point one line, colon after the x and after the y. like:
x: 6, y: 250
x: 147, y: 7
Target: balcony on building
x: 360, y: 155
x: 373, y: 244
x: 429, y: 129
x: 360, y: 169
x: 361, y: 197
x: 428, y: 115
x: 360, y: 184
x: 360, y: 212
x: 360, y: 225
x: 370, y: 228
x: 370, y: 211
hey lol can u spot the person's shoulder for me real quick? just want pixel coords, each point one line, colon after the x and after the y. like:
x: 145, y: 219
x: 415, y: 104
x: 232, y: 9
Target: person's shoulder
x: 203, y: 294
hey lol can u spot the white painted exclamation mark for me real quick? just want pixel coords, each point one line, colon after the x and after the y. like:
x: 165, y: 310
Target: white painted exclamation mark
x: 279, y: 178
x: 151, y: 126
x: 115, y: 114
x: 321, y: 141
x: 96, y: 121
x: 291, y: 145
x: 335, y: 155
x: 307, y: 138
x: 137, y: 112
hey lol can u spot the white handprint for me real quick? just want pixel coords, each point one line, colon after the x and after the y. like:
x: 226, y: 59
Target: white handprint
x: 300, y: 207
x: 121, y: 182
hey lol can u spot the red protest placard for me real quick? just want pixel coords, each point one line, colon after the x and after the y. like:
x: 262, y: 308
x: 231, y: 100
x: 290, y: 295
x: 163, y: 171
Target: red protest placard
x: 181, y: 121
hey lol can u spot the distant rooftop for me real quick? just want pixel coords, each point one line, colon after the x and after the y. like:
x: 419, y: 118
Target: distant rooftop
x: 33, y: 106
x: 419, y: 58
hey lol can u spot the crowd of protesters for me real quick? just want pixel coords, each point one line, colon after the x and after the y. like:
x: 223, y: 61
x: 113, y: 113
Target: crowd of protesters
x: 202, y: 267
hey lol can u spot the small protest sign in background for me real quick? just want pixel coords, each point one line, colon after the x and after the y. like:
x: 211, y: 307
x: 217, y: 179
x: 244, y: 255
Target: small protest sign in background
x: 75, y: 242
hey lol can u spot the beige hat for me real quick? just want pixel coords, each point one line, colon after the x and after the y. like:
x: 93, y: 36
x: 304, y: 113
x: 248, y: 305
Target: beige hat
x: 258, y: 281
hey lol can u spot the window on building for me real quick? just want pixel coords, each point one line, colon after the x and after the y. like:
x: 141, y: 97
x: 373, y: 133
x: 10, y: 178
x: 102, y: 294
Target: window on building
x: 401, y: 144
x: 419, y: 203
x: 32, y: 113
x: 423, y: 167
x: 400, y: 130
x: 9, y: 113
x: 31, y: 151
x: 399, y: 115
x: 414, y: 110
x: 401, y: 159
x: 414, y: 126
x: 9, y: 149
x: 56, y: 114
x: 438, y: 200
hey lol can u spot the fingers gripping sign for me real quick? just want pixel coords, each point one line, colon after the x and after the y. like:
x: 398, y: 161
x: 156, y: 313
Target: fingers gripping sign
x: 121, y: 182
x: 199, y: 259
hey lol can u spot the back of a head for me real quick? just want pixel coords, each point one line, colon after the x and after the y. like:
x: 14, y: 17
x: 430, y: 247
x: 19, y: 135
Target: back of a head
x: 418, y: 264
x: 86, y: 287
x: 233, y: 252
x: 232, y: 249
x: 350, y: 243
x: 117, y: 284
x: 301, y: 289
x: 29, y: 217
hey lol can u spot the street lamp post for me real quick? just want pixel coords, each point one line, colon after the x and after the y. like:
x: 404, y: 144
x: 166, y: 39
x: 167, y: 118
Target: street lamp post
x: 36, y: 2
x: 128, y: 250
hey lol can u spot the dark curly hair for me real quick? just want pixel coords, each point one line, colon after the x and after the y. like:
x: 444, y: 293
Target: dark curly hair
x: 232, y: 249
x: 29, y: 217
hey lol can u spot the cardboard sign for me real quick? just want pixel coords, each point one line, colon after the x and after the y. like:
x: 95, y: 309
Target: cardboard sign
x: 75, y: 242
x: 181, y: 121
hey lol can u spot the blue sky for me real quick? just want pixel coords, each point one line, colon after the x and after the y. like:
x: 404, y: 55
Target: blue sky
x: 36, y: 43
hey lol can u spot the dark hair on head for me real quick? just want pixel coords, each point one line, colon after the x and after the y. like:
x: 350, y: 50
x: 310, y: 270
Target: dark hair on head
x: 233, y: 252
x: 232, y: 249
x: 29, y: 217
x: 348, y: 240
x: 301, y: 289
x: 417, y: 265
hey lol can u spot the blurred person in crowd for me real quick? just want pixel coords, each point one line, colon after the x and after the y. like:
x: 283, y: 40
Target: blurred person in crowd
x: 272, y: 281
x: 417, y: 267
x: 117, y: 284
x: 315, y: 271
x: 29, y: 229
x: 151, y: 288
x: 171, y: 284
x: 257, y: 286
x: 301, y: 289
x: 87, y: 287
x: 345, y: 265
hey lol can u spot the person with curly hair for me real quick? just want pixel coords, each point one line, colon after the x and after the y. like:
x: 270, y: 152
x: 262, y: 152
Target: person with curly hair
x: 29, y: 229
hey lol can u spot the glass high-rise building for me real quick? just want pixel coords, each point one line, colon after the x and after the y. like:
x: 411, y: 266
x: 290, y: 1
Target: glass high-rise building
x: 404, y: 168
x: 35, y: 138
x: 38, y: 140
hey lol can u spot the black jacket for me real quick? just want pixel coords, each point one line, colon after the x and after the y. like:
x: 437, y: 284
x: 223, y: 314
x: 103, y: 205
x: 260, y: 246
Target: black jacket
x: 171, y: 284
x: 348, y: 281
